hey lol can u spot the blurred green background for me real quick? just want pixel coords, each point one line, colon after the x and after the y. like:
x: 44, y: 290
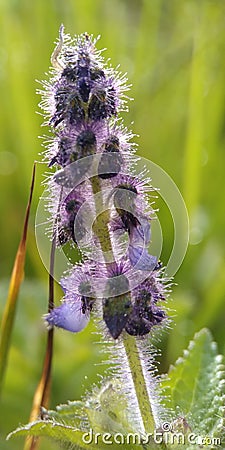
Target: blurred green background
x: 173, y: 52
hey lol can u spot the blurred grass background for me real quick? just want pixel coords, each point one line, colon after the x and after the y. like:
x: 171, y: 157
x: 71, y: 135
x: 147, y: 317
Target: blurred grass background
x: 173, y: 52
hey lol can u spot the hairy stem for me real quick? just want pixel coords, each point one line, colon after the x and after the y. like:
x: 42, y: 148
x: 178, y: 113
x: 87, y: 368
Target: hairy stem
x: 138, y: 378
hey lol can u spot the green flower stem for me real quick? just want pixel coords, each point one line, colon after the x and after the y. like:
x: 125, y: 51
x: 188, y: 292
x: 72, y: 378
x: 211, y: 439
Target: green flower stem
x: 139, y: 382
x: 132, y: 353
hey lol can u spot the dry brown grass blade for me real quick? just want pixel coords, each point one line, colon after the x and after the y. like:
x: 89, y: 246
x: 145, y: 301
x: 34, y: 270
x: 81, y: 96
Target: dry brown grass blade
x: 42, y: 393
x: 14, y: 286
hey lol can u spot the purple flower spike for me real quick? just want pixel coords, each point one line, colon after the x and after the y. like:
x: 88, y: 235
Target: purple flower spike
x: 71, y: 316
x: 96, y: 198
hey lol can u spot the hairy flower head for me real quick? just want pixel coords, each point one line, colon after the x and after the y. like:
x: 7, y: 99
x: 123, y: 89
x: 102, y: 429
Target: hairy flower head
x: 91, y: 158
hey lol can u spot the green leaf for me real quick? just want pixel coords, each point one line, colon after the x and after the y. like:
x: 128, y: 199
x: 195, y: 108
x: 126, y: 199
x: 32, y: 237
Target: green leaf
x: 91, y: 423
x: 70, y: 437
x: 59, y: 432
x: 194, y: 389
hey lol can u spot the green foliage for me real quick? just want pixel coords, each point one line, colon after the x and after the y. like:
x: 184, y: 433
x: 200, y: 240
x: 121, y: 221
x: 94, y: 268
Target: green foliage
x: 102, y: 412
x: 195, y: 388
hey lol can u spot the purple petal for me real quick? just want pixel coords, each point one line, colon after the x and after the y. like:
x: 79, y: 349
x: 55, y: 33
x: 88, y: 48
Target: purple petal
x: 140, y: 258
x: 140, y: 234
x: 69, y: 316
x: 146, y: 230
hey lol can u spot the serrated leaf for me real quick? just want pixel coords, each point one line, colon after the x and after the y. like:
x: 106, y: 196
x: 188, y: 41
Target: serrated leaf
x: 100, y: 418
x: 68, y: 414
x: 60, y: 432
x: 71, y: 437
x: 194, y: 389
